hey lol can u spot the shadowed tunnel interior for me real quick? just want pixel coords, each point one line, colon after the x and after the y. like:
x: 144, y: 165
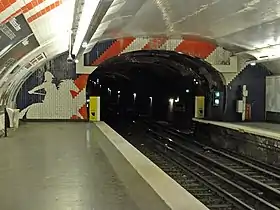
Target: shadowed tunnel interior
x: 156, y: 84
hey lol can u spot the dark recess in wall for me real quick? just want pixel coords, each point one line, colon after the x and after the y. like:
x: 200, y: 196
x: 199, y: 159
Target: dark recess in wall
x: 273, y: 117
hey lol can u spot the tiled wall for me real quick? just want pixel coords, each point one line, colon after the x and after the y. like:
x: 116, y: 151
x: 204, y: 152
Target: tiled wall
x: 60, y: 97
x: 203, y: 49
x: 74, y: 107
x: 252, y: 76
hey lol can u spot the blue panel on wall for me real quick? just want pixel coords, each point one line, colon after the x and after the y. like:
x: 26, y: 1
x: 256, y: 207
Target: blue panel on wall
x: 23, y: 98
x: 254, y: 77
x: 97, y: 51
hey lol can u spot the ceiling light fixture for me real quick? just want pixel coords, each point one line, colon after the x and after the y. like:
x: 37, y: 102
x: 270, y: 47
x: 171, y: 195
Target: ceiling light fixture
x: 89, y: 9
x: 85, y: 44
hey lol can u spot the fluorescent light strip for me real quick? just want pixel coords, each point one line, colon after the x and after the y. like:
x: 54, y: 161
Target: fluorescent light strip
x: 89, y: 9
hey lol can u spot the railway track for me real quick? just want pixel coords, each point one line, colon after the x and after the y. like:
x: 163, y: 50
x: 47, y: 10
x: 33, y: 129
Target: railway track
x: 259, y: 185
x: 189, y: 136
x: 210, y: 195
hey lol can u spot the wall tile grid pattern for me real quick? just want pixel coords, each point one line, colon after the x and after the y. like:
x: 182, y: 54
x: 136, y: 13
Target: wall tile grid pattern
x: 203, y: 49
x: 62, y: 97
x: 102, y: 51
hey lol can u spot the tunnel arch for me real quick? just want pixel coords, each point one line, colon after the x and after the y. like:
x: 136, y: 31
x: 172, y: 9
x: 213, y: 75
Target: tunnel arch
x: 171, y: 72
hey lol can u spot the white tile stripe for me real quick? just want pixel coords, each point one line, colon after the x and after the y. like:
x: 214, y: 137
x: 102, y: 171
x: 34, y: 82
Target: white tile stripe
x: 140, y: 43
x: 137, y: 44
x: 13, y: 8
x: 172, y: 44
x: 39, y: 8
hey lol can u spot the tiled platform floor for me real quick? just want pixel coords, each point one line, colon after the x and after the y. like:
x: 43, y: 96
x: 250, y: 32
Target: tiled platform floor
x: 58, y: 166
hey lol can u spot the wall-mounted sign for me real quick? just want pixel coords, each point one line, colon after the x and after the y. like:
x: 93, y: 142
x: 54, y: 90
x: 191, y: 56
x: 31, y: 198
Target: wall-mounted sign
x: 94, y: 108
x: 199, y: 106
x: 16, y: 40
x: 13, y: 31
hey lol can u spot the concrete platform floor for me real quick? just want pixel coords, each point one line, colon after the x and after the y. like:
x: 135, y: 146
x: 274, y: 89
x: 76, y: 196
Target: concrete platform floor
x: 265, y: 129
x: 272, y: 127
x: 58, y: 166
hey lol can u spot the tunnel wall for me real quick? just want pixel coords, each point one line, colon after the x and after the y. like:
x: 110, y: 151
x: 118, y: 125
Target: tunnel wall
x: 197, y: 48
x: 64, y: 98
x: 257, y: 147
x: 211, y: 53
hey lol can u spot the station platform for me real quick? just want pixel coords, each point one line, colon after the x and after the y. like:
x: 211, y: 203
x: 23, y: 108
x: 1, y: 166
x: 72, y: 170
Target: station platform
x: 82, y: 166
x: 264, y: 129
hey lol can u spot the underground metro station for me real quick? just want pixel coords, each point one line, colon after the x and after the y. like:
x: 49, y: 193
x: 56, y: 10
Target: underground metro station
x: 139, y: 105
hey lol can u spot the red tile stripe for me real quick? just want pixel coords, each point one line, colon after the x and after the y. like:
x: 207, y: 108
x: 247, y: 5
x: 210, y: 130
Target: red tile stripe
x: 195, y: 47
x: 115, y: 49
x: 26, y: 8
x: 81, y: 81
x: 201, y: 49
x: 83, y: 111
x: 4, y: 4
x: 31, y: 5
x: 155, y: 43
x: 44, y: 11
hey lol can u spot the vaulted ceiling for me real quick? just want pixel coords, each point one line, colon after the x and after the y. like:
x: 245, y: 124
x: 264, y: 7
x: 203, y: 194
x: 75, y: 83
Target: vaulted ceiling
x: 239, y: 25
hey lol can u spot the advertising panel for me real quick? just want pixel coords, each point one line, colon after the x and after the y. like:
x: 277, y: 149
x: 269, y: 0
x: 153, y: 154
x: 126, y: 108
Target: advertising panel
x: 16, y: 40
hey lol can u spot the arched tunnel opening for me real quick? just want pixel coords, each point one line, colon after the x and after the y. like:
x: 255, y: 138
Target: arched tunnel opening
x: 158, y: 85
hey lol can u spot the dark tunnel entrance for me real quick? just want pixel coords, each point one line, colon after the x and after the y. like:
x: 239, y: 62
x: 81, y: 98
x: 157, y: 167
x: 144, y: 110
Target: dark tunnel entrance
x: 161, y: 85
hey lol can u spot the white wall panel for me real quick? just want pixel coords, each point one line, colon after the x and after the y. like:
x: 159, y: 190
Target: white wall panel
x: 273, y: 94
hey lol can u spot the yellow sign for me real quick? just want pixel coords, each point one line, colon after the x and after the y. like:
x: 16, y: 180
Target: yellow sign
x: 94, y: 108
x: 199, y: 106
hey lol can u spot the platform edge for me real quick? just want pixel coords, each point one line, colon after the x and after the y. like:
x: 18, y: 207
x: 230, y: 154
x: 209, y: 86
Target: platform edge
x: 170, y: 192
